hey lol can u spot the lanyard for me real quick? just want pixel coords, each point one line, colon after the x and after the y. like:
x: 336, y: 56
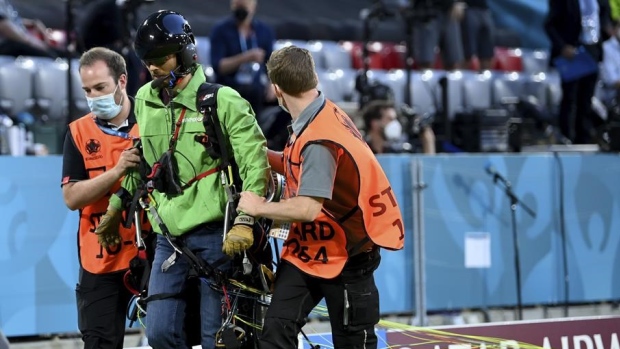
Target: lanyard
x: 243, y: 43
x: 175, y: 135
x: 112, y: 132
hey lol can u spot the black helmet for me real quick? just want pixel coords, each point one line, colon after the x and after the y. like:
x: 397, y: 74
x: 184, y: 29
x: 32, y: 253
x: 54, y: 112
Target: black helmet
x: 163, y: 33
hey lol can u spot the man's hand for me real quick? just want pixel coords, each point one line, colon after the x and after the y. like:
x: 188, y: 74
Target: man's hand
x: 249, y: 203
x: 458, y: 11
x: 240, y: 237
x: 130, y: 158
x: 107, y: 231
x: 255, y: 55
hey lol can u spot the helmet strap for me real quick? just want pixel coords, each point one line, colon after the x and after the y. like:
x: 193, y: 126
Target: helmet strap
x: 176, y: 78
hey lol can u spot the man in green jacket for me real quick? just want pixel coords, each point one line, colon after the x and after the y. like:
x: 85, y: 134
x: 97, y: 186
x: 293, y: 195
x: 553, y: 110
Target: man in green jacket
x: 188, y: 195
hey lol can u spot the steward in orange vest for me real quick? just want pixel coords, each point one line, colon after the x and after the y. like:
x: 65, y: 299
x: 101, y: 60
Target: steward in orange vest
x: 363, y: 210
x: 341, y: 210
x: 100, y: 152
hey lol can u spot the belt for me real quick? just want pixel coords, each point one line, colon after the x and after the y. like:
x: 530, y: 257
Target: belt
x: 205, y: 226
x: 360, y: 260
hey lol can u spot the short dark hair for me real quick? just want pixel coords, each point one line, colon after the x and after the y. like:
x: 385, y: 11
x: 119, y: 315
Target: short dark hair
x: 114, y: 61
x: 292, y: 69
x: 374, y: 111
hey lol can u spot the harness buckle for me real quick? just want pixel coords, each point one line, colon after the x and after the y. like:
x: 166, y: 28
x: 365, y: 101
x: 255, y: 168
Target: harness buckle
x: 169, y: 262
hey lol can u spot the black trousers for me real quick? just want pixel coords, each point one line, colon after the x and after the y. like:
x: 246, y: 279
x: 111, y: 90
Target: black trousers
x: 102, y: 301
x: 352, y: 303
x: 575, y: 118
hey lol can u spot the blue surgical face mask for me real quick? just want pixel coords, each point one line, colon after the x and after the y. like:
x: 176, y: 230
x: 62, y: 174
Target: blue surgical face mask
x: 105, y: 107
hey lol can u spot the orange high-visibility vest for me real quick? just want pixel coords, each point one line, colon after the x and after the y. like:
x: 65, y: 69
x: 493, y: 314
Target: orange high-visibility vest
x: 363, y: 204
x: 101, y: 152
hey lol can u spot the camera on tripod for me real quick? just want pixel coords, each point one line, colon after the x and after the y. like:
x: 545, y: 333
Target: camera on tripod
x: 414, y: 121
x: 370, y: 90
x: 412, y: 12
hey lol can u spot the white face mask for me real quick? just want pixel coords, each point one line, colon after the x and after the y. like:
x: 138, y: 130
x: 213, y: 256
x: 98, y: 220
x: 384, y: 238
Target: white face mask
x: 393, y: 130
x: 281, y: 104
x: 105, y: 107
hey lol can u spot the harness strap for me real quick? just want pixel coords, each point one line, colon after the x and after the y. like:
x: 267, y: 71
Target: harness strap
x: 157, y: 168
x: 177, y: 127
x: 200, y: 176
x: 137, y: 265
x: 133, y: 205
x: 201, y: 266
x: 128, y: 284
x: 160, y: 296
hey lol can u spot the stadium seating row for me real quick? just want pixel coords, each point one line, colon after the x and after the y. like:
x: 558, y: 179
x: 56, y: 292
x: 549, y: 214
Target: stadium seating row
x: 466, y: 90
x: 45, y: 94
x: 39, y: 85
x: 387, y: 56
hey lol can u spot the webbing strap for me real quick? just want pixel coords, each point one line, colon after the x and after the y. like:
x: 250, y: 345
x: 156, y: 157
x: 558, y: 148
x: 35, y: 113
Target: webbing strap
x: 200, y: 176
x: 177, y: 127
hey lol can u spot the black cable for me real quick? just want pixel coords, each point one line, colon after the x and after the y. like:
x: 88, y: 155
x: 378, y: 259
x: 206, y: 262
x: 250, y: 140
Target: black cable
x: 312, y: 346
x: 563, y: 232
x: 190, y: 164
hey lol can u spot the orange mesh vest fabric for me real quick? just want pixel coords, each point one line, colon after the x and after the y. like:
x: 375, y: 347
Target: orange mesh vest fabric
x: 362, y: 205
x: 101, y: 152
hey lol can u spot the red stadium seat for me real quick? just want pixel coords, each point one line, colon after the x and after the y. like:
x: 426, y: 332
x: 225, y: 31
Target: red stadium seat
x: 508, y: 59
x: 356, y: 48
x: 393, y: 56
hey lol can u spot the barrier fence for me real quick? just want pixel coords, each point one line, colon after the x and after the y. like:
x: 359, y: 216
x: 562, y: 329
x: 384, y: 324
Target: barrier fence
x: 462, y: 218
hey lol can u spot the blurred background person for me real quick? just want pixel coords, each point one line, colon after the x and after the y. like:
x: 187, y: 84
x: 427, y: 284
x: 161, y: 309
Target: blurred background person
x: 610, y: 69
x: 478, y: 33
x: 570, y: 25
x: 111, y: 24
x: 240, y: 47
x: 17, y: 40
x: 275, y: 122
x: 385, y: 133
x: 441, y: 29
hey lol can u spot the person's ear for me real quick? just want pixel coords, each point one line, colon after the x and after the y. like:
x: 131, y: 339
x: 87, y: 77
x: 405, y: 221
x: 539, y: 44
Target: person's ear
x: 122, y: 81
x: 375, y: 124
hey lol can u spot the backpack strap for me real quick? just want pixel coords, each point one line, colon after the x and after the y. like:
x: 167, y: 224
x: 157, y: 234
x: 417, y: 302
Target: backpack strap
x: 206, y: 103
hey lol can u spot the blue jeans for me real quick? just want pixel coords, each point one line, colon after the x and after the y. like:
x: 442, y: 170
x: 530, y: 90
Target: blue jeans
x: 165, y: 317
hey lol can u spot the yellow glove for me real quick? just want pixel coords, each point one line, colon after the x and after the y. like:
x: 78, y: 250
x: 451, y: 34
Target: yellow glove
x: 240, y: 237
x: 107, y: 231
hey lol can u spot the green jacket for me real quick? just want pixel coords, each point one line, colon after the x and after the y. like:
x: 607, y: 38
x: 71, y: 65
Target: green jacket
x: 615, y: 9
x: 204, y: 200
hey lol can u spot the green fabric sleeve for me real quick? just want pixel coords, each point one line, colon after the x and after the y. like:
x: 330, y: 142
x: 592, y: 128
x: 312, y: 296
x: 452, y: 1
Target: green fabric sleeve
x: 615, y: 9
x: 246, y: 139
